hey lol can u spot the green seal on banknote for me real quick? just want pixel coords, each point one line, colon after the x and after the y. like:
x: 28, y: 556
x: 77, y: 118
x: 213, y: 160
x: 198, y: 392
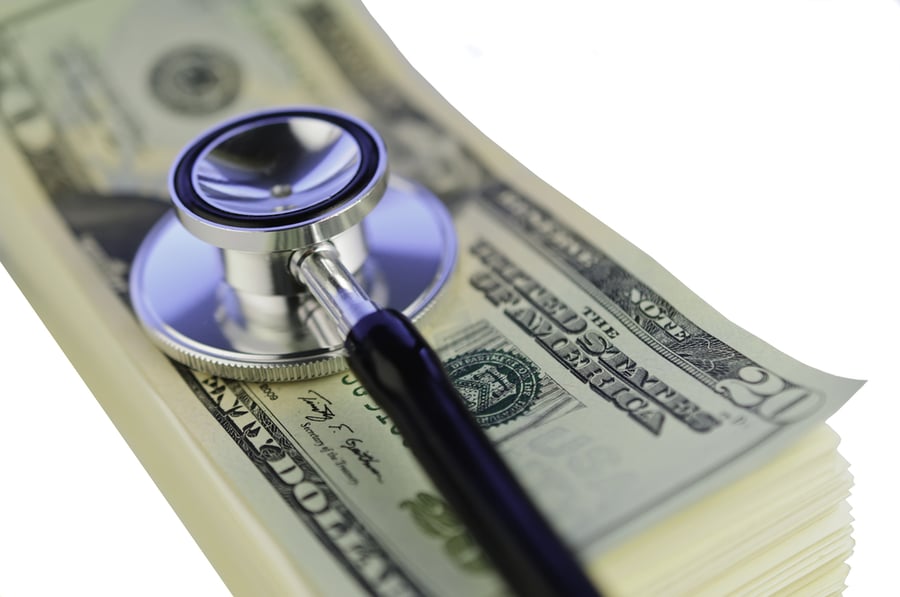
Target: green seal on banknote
x: 497, y: 386
x: 195, y: 79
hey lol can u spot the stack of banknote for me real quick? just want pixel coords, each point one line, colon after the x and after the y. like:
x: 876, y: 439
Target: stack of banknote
x: 675, y: 453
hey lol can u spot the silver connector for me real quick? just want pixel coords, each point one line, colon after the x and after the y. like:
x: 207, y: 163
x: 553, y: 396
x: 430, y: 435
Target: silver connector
x: 332, y: 284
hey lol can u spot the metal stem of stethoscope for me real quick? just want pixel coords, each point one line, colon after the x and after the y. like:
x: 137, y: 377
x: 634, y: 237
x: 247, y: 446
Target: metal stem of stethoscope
x: 332, y: 285
x: 277, y: 219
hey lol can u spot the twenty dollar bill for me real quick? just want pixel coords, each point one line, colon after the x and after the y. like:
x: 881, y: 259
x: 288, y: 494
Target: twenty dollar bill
x: 614, y: 393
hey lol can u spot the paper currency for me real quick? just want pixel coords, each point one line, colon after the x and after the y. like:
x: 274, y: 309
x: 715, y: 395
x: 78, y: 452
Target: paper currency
x: 622, y: 398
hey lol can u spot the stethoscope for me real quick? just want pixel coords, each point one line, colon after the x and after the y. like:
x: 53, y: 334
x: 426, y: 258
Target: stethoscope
x: 287, y: 234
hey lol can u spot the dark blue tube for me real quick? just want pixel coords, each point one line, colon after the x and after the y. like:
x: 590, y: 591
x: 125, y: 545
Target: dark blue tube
x: 404, y: 375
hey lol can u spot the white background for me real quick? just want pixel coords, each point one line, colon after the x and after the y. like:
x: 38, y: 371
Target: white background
x: 750, y: 147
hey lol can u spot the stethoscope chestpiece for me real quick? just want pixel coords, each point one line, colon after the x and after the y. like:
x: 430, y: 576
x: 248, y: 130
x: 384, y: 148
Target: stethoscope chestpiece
x: 216, y: 282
